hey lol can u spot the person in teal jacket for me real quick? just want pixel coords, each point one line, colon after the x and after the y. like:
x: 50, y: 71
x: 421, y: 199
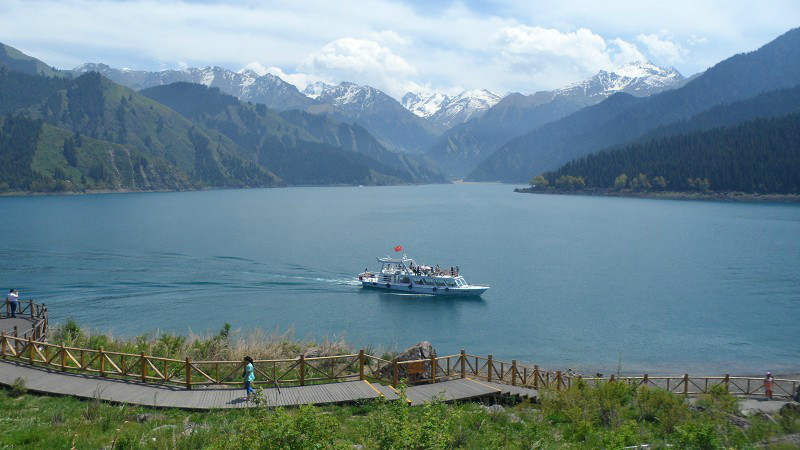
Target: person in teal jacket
x: 248, y: 375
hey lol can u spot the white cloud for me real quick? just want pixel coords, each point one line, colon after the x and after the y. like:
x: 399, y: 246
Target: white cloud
x: 389, y: 37
x: 441, y: 45
x: 555, y: 58
x: 359, y: 59
x: 664, y: 50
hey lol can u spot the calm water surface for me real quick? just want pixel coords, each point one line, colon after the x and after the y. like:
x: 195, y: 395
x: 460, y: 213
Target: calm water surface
x: 586, y: 282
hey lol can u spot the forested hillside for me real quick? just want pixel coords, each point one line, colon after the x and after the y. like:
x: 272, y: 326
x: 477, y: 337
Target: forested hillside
x: 774, y: 66
x: 38, y: 157
x: 760, y: 156
x: 272, y: 136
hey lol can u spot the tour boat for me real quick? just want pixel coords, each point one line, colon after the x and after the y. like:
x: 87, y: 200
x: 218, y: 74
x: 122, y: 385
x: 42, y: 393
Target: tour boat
x: 405, y: 275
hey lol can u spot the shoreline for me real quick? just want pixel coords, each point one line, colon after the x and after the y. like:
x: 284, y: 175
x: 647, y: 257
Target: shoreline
x: 674, y: 195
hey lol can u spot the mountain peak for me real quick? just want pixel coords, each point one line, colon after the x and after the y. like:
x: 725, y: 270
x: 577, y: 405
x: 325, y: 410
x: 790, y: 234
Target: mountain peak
x: 639, y: 69
x: 450, y: 111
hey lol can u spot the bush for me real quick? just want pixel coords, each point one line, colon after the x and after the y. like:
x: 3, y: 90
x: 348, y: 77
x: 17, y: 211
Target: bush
x: 18, y: 388
x: 308, y: 428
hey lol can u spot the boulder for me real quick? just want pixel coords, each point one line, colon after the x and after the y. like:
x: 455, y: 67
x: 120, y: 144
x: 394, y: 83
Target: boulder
x: 423, y: 350
x: 315, y: 352
x: 790, y: 408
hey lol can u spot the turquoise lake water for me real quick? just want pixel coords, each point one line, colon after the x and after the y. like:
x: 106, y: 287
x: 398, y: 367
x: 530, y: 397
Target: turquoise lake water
x: 582, y: 282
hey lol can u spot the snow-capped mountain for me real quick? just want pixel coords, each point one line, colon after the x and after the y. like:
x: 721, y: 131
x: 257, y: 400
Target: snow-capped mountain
x: 462, y: 147
x: 392, y: 124
x: 424, y: 105
x: 640, y: 79
x: 246, y: 85
x: 315, y: 89
x: 446, y: 111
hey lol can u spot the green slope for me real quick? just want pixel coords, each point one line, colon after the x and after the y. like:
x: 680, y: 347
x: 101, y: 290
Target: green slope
x: 293, y: 144
x: 760, y: 155
x: 101, y: 109
x: 16, y: 60
x: 39, y: 157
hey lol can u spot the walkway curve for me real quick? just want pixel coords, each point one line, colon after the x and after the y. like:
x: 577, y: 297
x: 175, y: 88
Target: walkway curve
x: 49, y: 381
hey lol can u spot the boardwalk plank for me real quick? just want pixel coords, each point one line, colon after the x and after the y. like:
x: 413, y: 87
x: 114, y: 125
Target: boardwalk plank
x: 40, y: 379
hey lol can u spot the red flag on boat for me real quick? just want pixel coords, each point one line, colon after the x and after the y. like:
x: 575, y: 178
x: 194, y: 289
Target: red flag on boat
x: 399, y: 248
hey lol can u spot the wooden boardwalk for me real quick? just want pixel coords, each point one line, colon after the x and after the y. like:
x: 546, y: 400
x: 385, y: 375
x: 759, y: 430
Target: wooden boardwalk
x: 49, y: 381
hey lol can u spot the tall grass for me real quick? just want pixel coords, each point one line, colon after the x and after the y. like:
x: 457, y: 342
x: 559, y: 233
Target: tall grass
x: 227, y: 344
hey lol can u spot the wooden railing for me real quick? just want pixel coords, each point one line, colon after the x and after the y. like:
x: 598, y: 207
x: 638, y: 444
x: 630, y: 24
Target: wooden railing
x: 28, y: 309
x: 302, y: 371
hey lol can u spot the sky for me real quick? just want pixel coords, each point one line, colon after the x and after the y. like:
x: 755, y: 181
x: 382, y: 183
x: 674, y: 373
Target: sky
x: 400, y: 46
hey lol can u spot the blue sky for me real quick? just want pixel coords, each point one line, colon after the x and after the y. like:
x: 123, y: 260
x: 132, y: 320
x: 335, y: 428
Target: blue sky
x: 415, y: 45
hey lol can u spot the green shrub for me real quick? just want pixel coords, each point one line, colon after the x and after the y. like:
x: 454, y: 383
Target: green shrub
x: 18, y: 388
x: 307, y: 428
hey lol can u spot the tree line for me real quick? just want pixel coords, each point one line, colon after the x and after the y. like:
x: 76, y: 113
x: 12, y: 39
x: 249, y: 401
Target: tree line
x: 759, y: 156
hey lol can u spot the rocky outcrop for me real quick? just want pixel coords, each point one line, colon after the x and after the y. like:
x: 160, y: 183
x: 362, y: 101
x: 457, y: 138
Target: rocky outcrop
x: 414, y: 373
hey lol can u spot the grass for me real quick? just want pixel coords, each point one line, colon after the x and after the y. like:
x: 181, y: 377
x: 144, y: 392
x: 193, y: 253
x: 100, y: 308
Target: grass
x: 611, y: 415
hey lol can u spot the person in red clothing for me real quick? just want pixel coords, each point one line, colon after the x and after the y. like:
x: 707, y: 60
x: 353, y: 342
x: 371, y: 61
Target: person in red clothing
x: 768, y: 380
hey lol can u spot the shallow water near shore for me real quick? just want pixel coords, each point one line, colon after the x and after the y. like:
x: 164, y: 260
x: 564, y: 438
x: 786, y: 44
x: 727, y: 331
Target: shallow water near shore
x: 583, y: 282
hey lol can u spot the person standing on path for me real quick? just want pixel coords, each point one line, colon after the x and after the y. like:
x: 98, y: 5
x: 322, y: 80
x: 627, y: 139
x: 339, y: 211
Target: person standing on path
x: 249, y: 376
x: 768, y: 380
x: 13, y: 301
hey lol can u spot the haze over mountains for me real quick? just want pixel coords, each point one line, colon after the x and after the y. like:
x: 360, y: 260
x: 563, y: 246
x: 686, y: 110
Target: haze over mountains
x: 97, y: 127
x: 463, y: 147
x: 623, y: 117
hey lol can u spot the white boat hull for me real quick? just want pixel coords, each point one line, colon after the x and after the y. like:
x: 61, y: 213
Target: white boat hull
x: 428, y: 290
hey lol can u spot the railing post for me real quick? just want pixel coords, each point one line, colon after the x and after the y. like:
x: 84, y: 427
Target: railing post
x: 361, y: 364
x: 433, y: 369
x: 558, y: 380
x: 16, y: 334
x: 63, y: 358
x: 513, y: 372
x: 645, y: 379
x: 83, y: 360
x: 463, y: 364
x: 30, y: 350
x: 3, y: 345
x: 536, y: 376
x: 489, y: 365
x: 102, y: 363
x: 302, y: 370
x: 188, y: 373
x: 727, y: 382
x: 144, y: 368
x: 611, y: 380
x: 685, y: 384
x: 394, y: 372
x: 30, y: 303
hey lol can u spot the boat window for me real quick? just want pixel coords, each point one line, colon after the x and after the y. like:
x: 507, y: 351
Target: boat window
x: 440, y: 283
x: 404, y: 280
x: 450, y: 283
x: 427, y: 282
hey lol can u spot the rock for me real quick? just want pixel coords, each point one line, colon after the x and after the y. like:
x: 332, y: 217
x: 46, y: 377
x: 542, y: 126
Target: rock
x: 142, y: 418
x: 421, y: 351
x: 791, y: 440
x: 739, y: 422
x: 790, y: 408
x: 513, y: 418
x: 494, y: 409
x: 314, y: 352
x: 189, y: 428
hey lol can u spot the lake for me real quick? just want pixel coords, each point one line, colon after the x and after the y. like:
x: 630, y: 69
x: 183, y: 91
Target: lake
x: 586, y: 282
